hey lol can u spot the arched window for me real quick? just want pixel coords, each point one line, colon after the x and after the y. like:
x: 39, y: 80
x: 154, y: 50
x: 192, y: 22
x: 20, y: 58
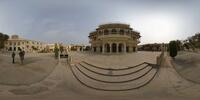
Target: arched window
x: 106, y: 32
x: 94, y: 38
x: 121, y: 32
x: 128, y: 32
x: 114, y: 31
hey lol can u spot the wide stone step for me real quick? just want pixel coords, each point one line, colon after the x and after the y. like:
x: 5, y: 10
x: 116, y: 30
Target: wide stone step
x: 103, y: 82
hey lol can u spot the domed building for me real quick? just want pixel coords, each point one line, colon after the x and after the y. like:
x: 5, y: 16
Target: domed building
x: 114, y: 38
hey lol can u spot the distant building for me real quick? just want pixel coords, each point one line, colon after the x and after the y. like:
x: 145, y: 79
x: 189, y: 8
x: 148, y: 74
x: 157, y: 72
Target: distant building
x: 51, y: 47
x: 151, y: 47
x: 114, y: 38
x: 78, y: 47
x: 14, y: 43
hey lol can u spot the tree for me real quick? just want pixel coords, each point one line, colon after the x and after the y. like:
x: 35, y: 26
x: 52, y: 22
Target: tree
x: 61, y: 48
x: 3, y: 38
x: 173, y: 48
x: 56, y: 51
x: 179, y: 45
x: 194, y: 41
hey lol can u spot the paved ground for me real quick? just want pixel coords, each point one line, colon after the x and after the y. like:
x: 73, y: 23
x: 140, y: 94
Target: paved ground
x: 62, y: 85
x: 188, y: 65
x: 35, y: 68
x: 115, y: 61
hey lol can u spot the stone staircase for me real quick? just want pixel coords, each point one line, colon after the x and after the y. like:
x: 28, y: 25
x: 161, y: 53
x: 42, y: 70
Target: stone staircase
x: 110, y: 79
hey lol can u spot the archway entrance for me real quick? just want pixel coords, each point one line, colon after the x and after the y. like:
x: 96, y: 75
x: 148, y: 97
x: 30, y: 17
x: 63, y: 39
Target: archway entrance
x: 101, y: 49
x: 114, y: 47
x: 127, y: 49
x: 94, y: 49
x: 120, y: 47
x: 134, y: 49
x: 14, y: 49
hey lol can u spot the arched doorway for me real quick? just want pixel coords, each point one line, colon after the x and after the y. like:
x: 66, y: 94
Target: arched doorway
x: 14, y: 49
x: 107, y: 46
x: 114, y: 47
x: 10, y: 49
x: 127, y: 49
x: 134, y: 49
x: 120, y: 47
x: 101, y: 49
x: 95, y: 49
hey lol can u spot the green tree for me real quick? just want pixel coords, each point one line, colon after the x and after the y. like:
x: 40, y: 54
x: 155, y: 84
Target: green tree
x: 56, y: 51
x: 195, y: 40
x: 173, y: 49
x: 3, y: 38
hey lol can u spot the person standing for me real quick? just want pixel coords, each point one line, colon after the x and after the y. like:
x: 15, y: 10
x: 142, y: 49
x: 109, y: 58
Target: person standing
x: 13, y: 57
x: 21, y: 55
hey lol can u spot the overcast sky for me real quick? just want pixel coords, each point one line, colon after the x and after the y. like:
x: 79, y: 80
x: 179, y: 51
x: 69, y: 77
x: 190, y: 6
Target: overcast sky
x: 70, y: 21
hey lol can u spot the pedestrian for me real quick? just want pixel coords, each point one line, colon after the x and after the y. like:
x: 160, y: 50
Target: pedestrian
x: 13, y: 57
x: 21, y: 55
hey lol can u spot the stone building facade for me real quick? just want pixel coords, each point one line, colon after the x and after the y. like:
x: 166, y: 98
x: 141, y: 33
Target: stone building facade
x: 16, y: 44
x: 114, y: 38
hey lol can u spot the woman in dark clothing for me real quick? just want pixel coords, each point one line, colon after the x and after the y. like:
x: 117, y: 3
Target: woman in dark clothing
x: 13, y: 57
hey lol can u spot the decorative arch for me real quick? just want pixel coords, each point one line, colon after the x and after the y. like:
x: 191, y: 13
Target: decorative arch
x: 120, y: 47
x: 114, y: 47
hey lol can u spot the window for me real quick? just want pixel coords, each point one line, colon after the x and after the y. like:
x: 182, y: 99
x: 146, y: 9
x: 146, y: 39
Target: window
x: 106, y: 32
x: 114, y: 31
x: 121, y: 32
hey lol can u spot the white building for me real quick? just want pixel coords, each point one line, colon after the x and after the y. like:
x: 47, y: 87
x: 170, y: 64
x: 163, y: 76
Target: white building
x: 14, y: 43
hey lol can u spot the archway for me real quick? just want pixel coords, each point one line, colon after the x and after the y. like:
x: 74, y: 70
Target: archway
x: 114, y: 47
x: 14, y: 49
x: 134, y: 49
x: 101, y: 49
x: 120, y: 47
x: 94, y: 49
x: 127, y: 49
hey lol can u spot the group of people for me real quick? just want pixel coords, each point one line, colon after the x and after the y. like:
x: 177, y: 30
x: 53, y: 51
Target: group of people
x: 21, y: 55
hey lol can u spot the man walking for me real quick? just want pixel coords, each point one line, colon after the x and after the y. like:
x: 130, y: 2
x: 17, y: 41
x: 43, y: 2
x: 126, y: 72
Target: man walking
x: 13, y: 57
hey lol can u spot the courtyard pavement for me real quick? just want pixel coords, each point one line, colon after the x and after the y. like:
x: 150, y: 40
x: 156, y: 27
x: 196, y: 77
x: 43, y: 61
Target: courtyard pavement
x: 188, y: 65
x: 60, y: 84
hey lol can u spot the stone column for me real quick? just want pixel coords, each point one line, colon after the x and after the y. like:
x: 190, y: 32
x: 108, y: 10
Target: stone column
x: 103, y: 46
x: 98, y: 49
x: 124, y: 47
x: 16, y: 48
x: 110, y: 44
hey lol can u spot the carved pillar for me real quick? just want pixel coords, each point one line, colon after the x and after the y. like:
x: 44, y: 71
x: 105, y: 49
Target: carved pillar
x: 103, y: 46
x: 124, y: 47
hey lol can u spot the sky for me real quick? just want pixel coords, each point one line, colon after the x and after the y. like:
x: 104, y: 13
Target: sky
x: 71, y: 21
